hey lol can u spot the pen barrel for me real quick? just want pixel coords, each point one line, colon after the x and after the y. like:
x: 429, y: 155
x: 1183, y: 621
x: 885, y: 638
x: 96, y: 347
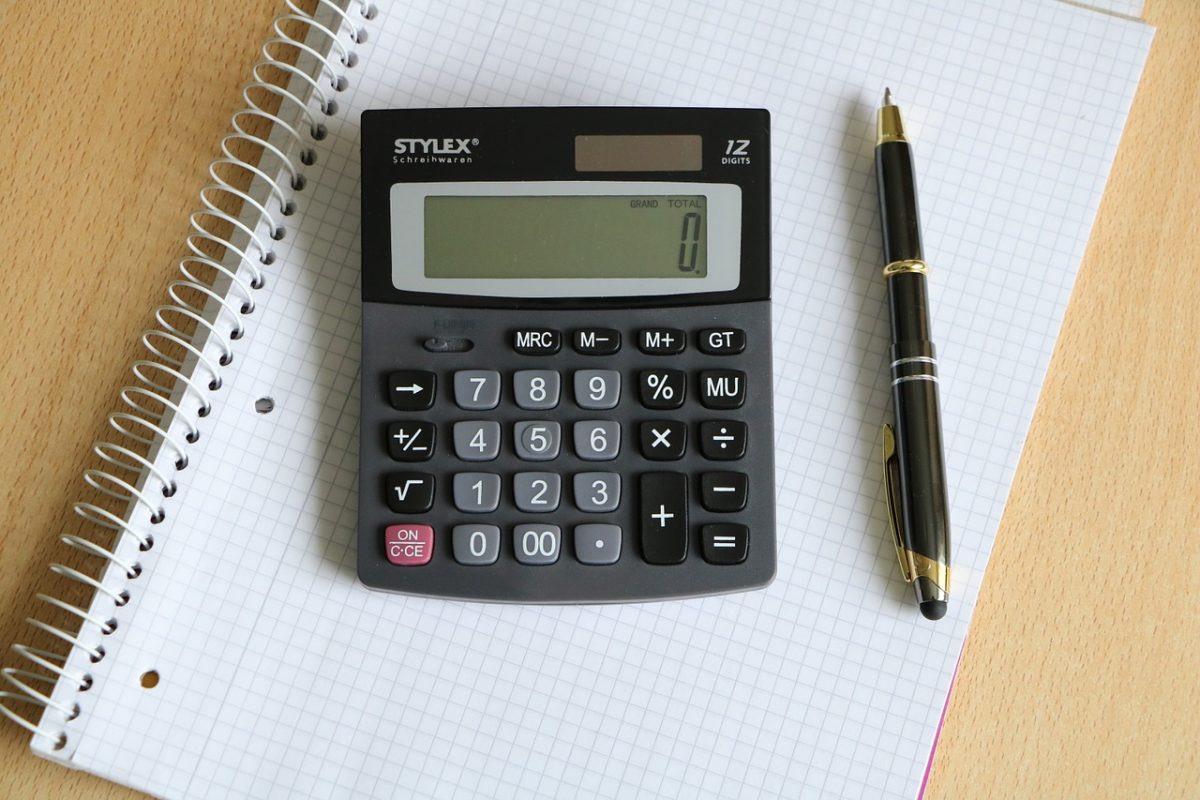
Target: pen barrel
x: 896, y: 182
x: 921, y: 464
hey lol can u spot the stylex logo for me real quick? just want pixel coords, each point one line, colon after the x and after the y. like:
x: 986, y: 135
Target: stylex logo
x: 433, y: 151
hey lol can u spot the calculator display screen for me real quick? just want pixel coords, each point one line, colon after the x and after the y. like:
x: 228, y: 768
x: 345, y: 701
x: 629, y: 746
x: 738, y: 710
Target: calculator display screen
x: 586, y: 238
x: 566, y: 236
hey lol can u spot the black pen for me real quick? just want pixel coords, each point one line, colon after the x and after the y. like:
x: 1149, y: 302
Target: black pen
x: 914, y: 468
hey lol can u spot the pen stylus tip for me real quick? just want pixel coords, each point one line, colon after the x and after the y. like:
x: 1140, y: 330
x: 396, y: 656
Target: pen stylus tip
x: 887, y: 97
x: 933, y: 609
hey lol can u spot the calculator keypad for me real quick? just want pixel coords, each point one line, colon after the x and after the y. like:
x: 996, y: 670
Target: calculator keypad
x: 555, y: 452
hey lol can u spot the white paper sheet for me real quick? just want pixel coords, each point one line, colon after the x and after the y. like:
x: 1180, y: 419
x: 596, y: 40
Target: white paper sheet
x: 281, y: 676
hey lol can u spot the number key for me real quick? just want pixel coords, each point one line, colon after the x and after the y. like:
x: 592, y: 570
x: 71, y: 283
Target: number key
x: 477, y: 440
x: 597, y: 492
x: 536, y: 440
x: 476, y: 492
x: 597, y: 388
x: 475, y: 545
x: 537, y: 544
x: 477, y: 389
x: 597, y: 439
x: 536, y: 388
x: 537, y: 491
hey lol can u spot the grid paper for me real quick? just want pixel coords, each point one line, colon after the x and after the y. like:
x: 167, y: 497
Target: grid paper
x: 283, y: 677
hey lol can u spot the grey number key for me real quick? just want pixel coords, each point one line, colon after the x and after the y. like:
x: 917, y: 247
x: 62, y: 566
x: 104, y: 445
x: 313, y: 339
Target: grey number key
x: 537, y: 544
x: 597, y: 544
x: 477, y: 389
x: 597, y: 388
x: 476, y: 492
x: 477, y: 440
x: 597, y: 491
x: 475, y: 545
x: 597, y: 439
x: 537, y: 491
x: 536, y: 440
x: 536, y: 389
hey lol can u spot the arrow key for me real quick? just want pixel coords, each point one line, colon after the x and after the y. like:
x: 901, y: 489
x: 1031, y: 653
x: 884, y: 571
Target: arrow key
x: 411, y: 389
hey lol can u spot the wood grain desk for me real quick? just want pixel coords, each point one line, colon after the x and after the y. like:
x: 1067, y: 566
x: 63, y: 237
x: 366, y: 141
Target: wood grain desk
x: 1081, y: 674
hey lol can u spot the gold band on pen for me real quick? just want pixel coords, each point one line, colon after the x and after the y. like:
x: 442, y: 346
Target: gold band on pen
x: 905, y: 265
x: 926, y: 567
x: 913, y: 565
x: 889, y: 127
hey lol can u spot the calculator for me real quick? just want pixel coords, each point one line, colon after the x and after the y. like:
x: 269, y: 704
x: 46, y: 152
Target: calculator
x: 566, y: 354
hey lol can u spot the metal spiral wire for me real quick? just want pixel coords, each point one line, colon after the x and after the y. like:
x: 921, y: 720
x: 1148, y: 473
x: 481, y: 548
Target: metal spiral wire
x: 173, y: 392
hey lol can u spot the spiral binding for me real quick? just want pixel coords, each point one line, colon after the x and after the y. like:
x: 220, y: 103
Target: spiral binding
x: 171, y: 389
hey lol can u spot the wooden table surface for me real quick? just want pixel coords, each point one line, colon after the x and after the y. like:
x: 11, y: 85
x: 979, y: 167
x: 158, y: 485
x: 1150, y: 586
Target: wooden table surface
x: 1081, y: 674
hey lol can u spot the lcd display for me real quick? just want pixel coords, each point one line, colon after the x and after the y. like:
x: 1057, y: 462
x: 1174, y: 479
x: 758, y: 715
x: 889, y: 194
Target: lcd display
x: 566, y: 236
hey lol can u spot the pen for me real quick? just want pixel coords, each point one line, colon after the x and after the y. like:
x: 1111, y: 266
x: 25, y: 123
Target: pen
x: 914, y: 468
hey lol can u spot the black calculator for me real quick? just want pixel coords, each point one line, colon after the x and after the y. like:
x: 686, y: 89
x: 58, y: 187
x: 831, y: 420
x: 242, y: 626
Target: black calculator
x: 566, y: 372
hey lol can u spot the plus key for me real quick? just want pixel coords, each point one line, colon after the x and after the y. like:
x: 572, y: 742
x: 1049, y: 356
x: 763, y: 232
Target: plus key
x: 663, y: 517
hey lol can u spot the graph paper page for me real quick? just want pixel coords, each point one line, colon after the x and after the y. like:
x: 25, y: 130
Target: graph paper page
x: 281, y: 676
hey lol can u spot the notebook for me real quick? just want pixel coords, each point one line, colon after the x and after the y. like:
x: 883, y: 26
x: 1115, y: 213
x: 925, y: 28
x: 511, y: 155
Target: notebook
x: 247, y: 660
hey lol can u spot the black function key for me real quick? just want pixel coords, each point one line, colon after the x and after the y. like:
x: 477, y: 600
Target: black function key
x: 661, y: 341
x: 724, y: 491
x: 723, y: 440
x: 596, y: 341
x: 722, y: 388
x: 662, y: 388
x: 411, y: 389
x: 409, y: 492
x: 662, y: 439
x: 410, y: 441
x: 537, y: 341
x: 724, y: 543
x: 722, y: 341
x: 663, y: 517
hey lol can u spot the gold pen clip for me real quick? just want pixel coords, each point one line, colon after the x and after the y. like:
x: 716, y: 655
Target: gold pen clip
x: 891, y: 485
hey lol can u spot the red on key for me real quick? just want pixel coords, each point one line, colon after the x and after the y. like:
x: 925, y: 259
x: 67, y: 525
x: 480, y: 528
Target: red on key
x: 408, y: 545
